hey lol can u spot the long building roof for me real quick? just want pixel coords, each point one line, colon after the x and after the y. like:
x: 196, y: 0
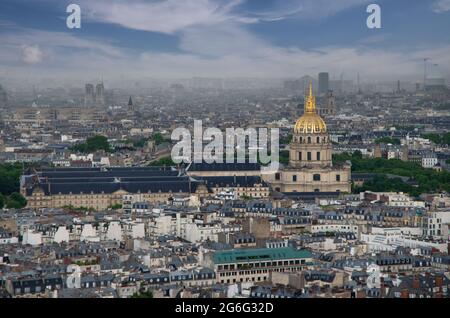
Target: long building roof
x: 56, y: 181
x: 259, y: 254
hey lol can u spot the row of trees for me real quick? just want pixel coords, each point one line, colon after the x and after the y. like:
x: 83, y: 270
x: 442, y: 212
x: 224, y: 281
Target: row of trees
x: 388, y: 140
x: 13, y: 201
x: 96, y: 143
x: 9, y: 187
x: 140, y: 142
x: 93, y: 144
x: 423, y: 180
x: 165, y: 161
x: 439, y: 139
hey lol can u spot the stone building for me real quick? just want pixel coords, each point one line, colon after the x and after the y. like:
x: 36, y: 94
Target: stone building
x: 310, y: 167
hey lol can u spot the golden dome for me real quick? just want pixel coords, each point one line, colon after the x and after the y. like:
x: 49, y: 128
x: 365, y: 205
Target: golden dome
x: 310, y: 122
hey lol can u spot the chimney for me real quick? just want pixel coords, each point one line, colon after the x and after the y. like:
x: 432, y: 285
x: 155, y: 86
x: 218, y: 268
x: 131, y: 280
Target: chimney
x: 360, y: 294
x: 416, y: 283
x: 404, y: 293
x: 439, y: 282
x: 382, y: 288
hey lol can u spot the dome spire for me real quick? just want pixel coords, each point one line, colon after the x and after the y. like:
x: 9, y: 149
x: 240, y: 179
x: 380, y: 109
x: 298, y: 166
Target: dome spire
x: 310, y: 103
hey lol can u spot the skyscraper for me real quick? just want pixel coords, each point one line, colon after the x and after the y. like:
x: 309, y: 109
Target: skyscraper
x: 324, y: 83
x: 3, y: 97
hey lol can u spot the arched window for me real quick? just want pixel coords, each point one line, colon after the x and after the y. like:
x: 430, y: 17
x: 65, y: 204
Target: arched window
x: 309, y: 140
x: 318, y: 140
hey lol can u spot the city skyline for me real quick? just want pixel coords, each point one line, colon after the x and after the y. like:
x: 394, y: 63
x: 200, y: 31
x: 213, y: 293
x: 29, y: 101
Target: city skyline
x: 225, y: 39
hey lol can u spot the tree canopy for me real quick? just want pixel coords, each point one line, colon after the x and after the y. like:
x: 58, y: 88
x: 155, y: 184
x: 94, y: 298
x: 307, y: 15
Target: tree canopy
x: 387, y: 140
x: 428, y: 180
x: 93, y: 144
x: 439, y: 139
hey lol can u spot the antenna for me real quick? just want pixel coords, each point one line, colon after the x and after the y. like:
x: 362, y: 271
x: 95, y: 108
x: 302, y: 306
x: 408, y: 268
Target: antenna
x: 425, y: 71
x: 359, y: 84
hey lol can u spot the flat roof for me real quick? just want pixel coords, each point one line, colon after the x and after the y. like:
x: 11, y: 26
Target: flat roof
x: 259, y: 254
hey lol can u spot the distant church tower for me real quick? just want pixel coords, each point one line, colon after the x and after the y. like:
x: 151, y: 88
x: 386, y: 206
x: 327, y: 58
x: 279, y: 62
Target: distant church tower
x: 377, y: 151
x: 100, y: 95
x: 329, y: 108
x: 89, y: 95
x: 130, y: 105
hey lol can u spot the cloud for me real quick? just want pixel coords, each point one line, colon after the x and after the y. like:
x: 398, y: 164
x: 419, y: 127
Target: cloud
x: 213, y: 42
x: 32, y: 54
x: 166, y: 16
x: 307, y: 9
x: 170, y: 16
x: 440, y: 6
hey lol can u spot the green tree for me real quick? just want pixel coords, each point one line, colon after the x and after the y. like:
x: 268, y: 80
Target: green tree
x: 387, y: 140
x: 15, y: 201
x: 165, y: 161
x: 439, y: 139
x: 93, y: 144
x: 143, y: 294
x: 158, y: 138
x: 284, y: 157
x: 428, y: 180
x: 286, y: 140
x: 10, y: 178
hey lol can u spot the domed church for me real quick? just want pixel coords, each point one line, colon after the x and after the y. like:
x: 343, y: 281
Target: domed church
x: 310, y: 166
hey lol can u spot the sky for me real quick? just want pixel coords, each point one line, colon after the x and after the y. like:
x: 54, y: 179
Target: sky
x: 224, y: 38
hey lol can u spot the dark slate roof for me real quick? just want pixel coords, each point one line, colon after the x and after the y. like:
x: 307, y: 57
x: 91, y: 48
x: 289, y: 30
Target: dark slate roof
x: 126, y: 172
x: 97, y: 180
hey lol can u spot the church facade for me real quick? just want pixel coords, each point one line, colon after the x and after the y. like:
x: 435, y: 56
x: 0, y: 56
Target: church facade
x: 310, y: 167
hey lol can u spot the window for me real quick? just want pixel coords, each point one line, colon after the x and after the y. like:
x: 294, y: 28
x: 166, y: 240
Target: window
x: 318, y: 155
x: 316, y: 177
x: 338, y: 177
x: 300, y: 155
x: 294, y: 178
x: 309, y: 156
x: 309, y: 140
x: 318, y: 140
x: 277, y: 176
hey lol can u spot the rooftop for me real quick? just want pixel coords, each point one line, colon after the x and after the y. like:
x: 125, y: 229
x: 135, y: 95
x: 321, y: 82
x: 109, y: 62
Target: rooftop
x: 248, y: 255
